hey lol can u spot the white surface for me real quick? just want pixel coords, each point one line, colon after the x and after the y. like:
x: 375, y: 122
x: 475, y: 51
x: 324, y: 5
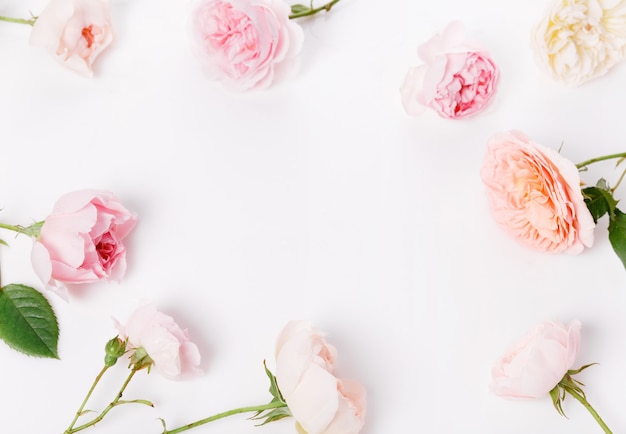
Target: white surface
x: 316, y: 199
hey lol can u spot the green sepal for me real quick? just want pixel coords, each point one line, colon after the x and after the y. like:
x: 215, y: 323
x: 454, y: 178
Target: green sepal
x: 558, y: 395
x: 27, y: 322
x: 599, y: 200
x: 33, y: 230
x: 4, y: 243
x: 617, y: 234
x: 274, y: 390
x: 277, y: 413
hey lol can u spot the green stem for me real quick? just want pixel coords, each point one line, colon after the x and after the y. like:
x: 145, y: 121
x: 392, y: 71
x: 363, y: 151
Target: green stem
x: 256, y: 408
x: 306, y: 12
x: 32, y: 230
x: 580, y: 398
x: 117, y: 401
x: 30, y: 21
x: 82, y: 406
x: 597, y: 159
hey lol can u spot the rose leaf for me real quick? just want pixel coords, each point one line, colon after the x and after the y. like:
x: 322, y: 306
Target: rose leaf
x: 617, y: 234
x: 27, y: 322
x: 599, y: 202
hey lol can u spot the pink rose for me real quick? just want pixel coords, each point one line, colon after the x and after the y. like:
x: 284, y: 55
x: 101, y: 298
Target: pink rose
x: 174, y: 356
x: 320, y: 402
x: 240, y: 42
x: 536, y: 363
x: 458, y: 78
x: 81, y: 241
x: 535, y: 195
x: 77, y: 31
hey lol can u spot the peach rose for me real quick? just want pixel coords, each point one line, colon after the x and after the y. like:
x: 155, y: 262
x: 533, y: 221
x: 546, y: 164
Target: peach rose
x: 241, y: 42
x: 458, y: 78
x: 174, y: 356
x: 581, y: 39
x: 535, y: 363
x: 81, y: 241
x: 320, y: 402
x: 535, y: 194
x: 77, y: 31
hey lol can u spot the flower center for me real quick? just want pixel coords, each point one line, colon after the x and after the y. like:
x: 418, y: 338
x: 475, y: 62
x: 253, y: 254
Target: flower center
x: 87, y: 34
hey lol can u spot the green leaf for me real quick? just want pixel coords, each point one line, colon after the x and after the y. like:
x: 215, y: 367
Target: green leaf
x: 599, y: 201
x: 617, y: 234
x: 27, y: 322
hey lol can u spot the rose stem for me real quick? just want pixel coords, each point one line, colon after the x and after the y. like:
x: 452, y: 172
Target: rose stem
x: 588, y: 406
x: 256, y: 408
x: 115, y: 402
x: 30, y: 21
x: 312, y: 11
x: 82, y: 406
x: 597, y: 159
x: 32, y: 230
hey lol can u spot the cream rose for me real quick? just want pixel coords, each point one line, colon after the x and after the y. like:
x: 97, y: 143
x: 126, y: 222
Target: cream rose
x: 581, y: 39
x: 320, y: 402
x: 76, y: 31
x: 534, y: 364
x: 535, y: 195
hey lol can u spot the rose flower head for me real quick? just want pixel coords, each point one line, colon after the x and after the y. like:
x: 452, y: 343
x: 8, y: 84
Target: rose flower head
x: 535, y: 363
x: 320, y: 402
x: 82, y: 240
x: 76, y: 31
x: 241, y: 42
x: 581, y: 39
x: 458, y: 78
x: 535, y: 195
x: 156, y: 340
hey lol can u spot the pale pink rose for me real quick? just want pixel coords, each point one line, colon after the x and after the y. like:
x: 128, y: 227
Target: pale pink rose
x: 241, y: 42
x: 81, y: 241
x: 320, y: 402
x: 174, y: 355
x: 534, y: 364
x: 76, y: 31
x: 535, y: 195
x: 458, y: 77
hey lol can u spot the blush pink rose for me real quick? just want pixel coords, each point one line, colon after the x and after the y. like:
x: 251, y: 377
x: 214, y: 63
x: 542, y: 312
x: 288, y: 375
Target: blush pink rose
x: 76, y: 31
x: 535, y: 363
x: 535, y: 195
x: 173, y: 355
x: 320, y: 402
x: 82, y: 240
x: 458, y: 78
x: 241, y: 42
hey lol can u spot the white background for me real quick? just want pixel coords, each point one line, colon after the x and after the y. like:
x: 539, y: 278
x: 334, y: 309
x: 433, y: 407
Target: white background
x: 315, y: 199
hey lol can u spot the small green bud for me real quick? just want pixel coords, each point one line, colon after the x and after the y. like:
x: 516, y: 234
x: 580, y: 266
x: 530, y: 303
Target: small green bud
x: 114, y: 349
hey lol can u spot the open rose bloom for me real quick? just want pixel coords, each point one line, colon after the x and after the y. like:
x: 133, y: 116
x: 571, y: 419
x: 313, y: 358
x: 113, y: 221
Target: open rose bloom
x: 320, y: 402
x: 581, y: 39
x: 534, y: 364
x: 241, y: 42
x: 535, y: 195
x: 76, y: 31
x: 82, y: 240
x: 166, y: 343
x: 458, y: 78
